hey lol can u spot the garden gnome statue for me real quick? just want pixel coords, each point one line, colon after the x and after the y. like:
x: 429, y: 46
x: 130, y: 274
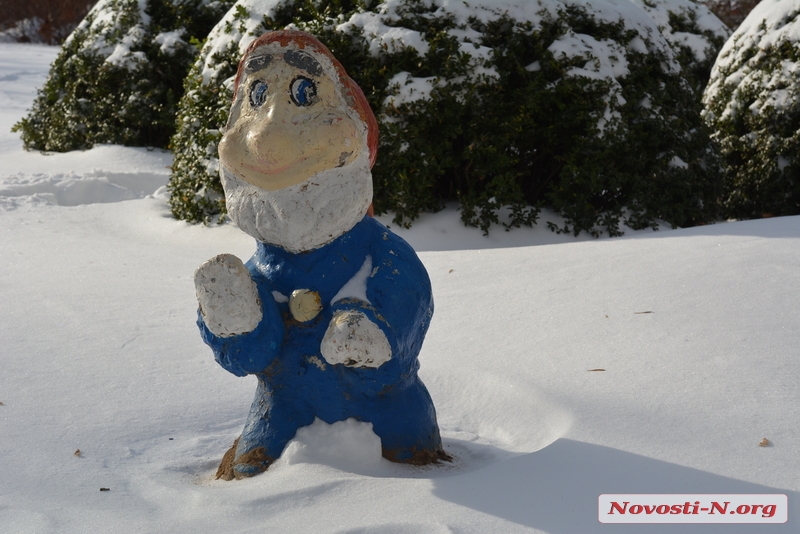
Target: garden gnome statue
x: 330, y: 312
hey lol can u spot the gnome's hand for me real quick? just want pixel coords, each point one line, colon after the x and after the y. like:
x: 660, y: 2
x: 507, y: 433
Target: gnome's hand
x: 354, y: 340
x: 227, y: 296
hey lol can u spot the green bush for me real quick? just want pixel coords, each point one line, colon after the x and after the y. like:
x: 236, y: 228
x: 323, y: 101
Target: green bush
x: 694, y: 32
x: 541, y: 104
x: 119, y: 75
x: 753, y: 106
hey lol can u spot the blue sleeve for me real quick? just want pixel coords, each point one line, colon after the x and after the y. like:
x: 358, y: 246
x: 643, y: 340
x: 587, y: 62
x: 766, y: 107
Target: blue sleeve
x: 400, y: 303
x: 252, y: 352
x: 400, y: 292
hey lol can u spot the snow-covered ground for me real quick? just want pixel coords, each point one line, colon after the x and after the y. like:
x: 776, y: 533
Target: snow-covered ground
x: 561, y: 369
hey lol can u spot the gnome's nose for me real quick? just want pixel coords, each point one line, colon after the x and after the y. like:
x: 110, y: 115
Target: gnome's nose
x: 276, y: 144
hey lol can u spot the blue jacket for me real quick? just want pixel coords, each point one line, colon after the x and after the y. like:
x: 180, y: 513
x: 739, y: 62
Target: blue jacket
x: 296, y: 384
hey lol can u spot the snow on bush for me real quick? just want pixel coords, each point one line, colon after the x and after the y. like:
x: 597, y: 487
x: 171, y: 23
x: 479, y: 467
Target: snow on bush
x: 695, y: 33
x: 120, y: 75
x: 753, y: 105
x: 731, y: 12
x: 580, y: 105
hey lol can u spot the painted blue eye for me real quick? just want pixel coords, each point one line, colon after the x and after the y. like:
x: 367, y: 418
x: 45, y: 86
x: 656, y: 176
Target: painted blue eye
x: 303, y: 91
x: 258, y: 93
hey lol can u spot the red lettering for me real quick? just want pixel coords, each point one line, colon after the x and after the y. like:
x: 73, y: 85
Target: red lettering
x: 649, y: 509
x: 636, y: 509
x: 769, y: 510
x: 615, y: 506
x: 719, y: 508
x: 743, y: 509
x: 676, y: 509
x: 755, y: 508
x: 663, y: 509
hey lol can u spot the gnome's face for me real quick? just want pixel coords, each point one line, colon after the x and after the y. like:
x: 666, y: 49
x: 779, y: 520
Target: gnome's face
x: 292, y: 122
x: 296, y: 157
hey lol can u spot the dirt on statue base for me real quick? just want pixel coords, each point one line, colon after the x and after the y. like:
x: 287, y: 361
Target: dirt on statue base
x: 256, y: 457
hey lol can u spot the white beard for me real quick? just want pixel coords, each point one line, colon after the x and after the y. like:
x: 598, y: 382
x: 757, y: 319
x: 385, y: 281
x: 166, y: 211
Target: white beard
x: 304, y: 216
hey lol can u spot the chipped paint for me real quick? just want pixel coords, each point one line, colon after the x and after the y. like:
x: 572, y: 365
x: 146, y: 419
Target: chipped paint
x: 316, y: 361
x: 304, y: 305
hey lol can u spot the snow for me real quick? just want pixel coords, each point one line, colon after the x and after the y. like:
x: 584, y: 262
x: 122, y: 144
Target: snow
x: 356, y: 287
x: 408, y: 89
x: 660, y: 10
x: 634, y: 19
x: 605, y: 59
x: 170, y: 41
x: 466, y: 12
x: 742, y: 64
x: 122, y: 56
x: 678, y: 162
x: 777, y: 16
x: 382, y: 37
x: 240, y: 26
x: 696, y: 331
x: 482, y: 10
x: 107, y: 19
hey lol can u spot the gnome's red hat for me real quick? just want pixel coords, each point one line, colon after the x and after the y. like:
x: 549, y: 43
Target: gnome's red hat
x: 353, y: 94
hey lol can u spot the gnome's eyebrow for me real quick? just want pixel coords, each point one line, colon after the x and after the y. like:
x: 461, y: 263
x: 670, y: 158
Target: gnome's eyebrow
x: 256, y: 63
x: 301, y: 60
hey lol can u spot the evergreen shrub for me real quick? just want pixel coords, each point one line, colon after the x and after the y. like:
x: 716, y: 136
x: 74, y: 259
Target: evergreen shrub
x: 577, y: 105
x: 119, y: 75
x: 753, y: 106
x: 694, y: 32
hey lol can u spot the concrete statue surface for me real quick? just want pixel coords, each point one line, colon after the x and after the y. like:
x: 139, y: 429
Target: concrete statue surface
x: 331, y: 311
